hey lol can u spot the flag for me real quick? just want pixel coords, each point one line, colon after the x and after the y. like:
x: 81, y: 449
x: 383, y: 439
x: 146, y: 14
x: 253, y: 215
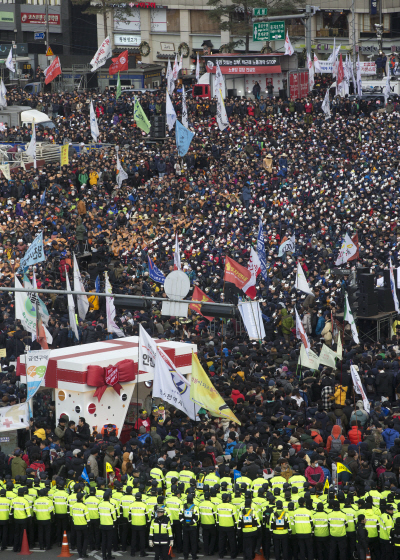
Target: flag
x: 34, y: 254
x: 185, y: 121
x: 310, y: 73
x: 197, y: 69
x: 236, y: 273
x: 40, y: 335
x: 311, y: 361
x: 287, y: 245
x: 94, y: 127
x: 342, y: 468
x: 254, y: 267
x: 289, y: 50
x: 71, y: 308
x: 222, y: 117
x: 326, y: 485
x: 97, y: 284
x: 301, y: 281
x: 183, y: 138
x: 199, y: 295
x: 110, y: 310
x: 82, y: 301
x: 140, y: 117
x: 172, y: 387
x: 393, y: 287
x: 357, y: 253
x: 170, y: 112
x: 35, y: 299
x: 3, y: 95
x: 85, y: 475
x: 250, y: 312
x: 64, y: 160
x: 339, y: 350
x: 347, y: 250
x: 348, y: 316
x: 14, y: 417
x: 109, y: 468
x: 10, y: 62
x: 5, y: 169
x: 327, y: 356
x: 119, y: 64
x: 387, y: 90
x: 147, y: 352
x: 317, y: 65
x: 36, y: 365
x: 359, y: 80
x: 25, y: 310
x: 180, y: 65
x: 340, y: 73
x: 53, y: 70
x: 155, y: 273
x: 31, y: 149
x: 301, y: 333
x: 175, y: 69
x: 170, y: 79
x: 261, y: 251
x: 103, y: 53
x: 326, y: 105
x: 219, y: 82
x: 358, y: 387
x: 203, y: 392
x: 177, y: 256
x: 121, y: 173
x: 119, y: 89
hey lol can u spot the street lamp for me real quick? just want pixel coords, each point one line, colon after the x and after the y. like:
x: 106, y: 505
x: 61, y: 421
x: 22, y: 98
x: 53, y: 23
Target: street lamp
x: 379, y: 34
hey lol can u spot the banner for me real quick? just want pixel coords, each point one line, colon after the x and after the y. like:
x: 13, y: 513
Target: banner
x: 36, y: 365
x: 119, y: 64
x: 327, y: 356
x: 339, y: 349
x: 289, y: 50
x: 122, y: 175
x: 172, y: 387
x: 147, y: 352
x: 365, y: 68
x: 393, y: 287
x: 261, y: 251
x: 219, y: 82
x: 222, y: 117
x: 358, y: 388
x: 301, y: 281
x: 185, y: 120
x: 326, y: 105
x: 34, y: 254
x: 110, y: 310
x: 64, y: 154
x: 94, y: 127
x: 102, y: 54
x: 252, y: 319
x: 155, y: 273
x: 170, y: 79
x: 53, y: 71
x: 197, y: 69
x: 82, y: 301
x: 254, y: 267
x: 140, y: 117
x: 348, y: 316
x: 342, y: 468
x: 169, y: 112
x: 183, y: 138
x: 347, y: 250
x: 301, y: 333
x: 5, y: 169
x: 203, y: 392
x: 287, y: 245
x: 199, y: 295
x: 311, y: 361
x: 236, y: 273
x: 71, y: 308
x: 177, y: 255
x: 14, y: 417
x: 31, y: 149
x: 10, y: 62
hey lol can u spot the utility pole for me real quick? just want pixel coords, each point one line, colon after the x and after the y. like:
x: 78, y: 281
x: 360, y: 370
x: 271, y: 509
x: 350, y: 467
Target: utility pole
x: 353, y: 30
x: 47, y: 29
x: 309, y: 14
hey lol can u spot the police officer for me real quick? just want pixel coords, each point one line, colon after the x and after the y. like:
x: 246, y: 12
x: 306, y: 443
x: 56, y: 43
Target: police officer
x: 226, y: 516
x: 175, y: 507
x: 160, y: 534
x: 108, y: 518
x: 321, y: 532
x: 189, y: 519
x: 337, y: 521
x: 4, y: 518
x: 208, y: 524
x: 138, y: 517
x: 92, y: 502
x: 80, y: 518
x: 43, y: 509
x: 362, y: 537
x: 304, y: 527
x: 60, y: 500
x: 125, y: 502
x: 21, y: 512
x: 249, y: 524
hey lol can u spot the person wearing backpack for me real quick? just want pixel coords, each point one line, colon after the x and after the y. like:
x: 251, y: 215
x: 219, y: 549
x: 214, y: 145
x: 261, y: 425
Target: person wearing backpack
x: 335, y: 441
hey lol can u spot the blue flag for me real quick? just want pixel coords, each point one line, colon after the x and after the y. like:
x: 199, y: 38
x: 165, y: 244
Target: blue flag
x: 261, y: 251
x: 97, y: 284
x: 34, y: 254
x: 184, y: 138
x: 84, y: 474
x: 43, y: 197
x: 155, y: 273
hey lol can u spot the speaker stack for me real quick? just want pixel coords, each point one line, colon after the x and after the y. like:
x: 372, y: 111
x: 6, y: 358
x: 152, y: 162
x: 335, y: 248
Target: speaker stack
x: 157, y: 126
x: 367, y: 301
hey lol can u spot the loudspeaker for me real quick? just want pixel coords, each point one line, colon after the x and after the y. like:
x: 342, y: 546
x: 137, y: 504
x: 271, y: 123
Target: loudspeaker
x: 368, y: 310
x: 282, y: 94
x: 386, y: 277
x: 366, y: 299
x: 232, y: 93
x: 157, y: 126
x: 362, y: 270
x: 217, y: 311
x: 366, y: 283
x: 385, y: 299
x: 122, y: 302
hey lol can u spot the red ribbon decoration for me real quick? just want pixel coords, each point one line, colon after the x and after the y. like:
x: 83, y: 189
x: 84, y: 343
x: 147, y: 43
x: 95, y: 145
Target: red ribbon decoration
x: 96, y: 377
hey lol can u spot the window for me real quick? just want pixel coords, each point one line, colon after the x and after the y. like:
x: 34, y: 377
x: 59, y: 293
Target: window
x: 334, y: 24
x: 369, y: 23
x: 200, y: 22
x: 173, y: 21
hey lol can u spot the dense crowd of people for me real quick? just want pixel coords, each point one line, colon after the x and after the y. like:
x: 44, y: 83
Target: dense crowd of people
x: 307, y: 471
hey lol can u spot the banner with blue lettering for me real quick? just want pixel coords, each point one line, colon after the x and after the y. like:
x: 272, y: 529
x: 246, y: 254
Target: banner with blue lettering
x: 155, y: 273
x: 184, y: 138
x: 34, y: 254
x: 261, y: 251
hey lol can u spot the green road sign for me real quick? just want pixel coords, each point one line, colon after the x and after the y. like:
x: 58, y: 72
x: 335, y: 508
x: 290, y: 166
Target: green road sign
x: 268, y: 31
x: 260, y: 12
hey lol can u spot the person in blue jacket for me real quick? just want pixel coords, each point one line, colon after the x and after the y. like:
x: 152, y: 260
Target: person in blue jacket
x: 389, y: 435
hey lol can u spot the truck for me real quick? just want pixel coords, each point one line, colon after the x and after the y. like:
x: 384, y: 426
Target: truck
x: 20, y: 115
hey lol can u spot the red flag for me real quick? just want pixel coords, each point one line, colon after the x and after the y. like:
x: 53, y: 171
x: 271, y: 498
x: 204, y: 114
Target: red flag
x: 118, y: 64
x: 340, y: 71
x: 53, y: 71
x: 40, y: 334
x: 357, y: 253
x: 236, y: 273
x: 199, y: 295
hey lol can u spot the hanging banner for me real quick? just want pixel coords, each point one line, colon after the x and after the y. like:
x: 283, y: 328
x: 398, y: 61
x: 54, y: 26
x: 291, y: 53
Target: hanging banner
x: 14, y: 417
x: 36, y: 365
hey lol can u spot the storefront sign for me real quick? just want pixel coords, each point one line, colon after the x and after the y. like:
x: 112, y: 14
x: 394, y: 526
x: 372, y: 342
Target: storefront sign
x: 39, y: 19
x: 128, y: 40
x: 6, y: 17
x: 374, y: 7
x: 20, y: 49
x: 167, y: 47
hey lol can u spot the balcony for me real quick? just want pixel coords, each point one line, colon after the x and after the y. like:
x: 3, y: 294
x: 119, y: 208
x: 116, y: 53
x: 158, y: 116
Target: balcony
x: 333, y: 32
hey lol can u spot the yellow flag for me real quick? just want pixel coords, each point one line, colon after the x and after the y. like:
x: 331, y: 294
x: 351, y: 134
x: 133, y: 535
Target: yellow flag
x: 203, y: 393
x: 109, y: 468
x: 64, y: 154
x: 326, y: 486
x: 341, y: 468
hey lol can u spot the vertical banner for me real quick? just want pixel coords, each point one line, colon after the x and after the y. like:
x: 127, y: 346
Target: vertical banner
x: 64, y: 154
x: 36, y: 365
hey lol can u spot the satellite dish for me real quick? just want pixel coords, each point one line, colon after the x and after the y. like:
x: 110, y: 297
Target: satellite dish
x: 177, y: 285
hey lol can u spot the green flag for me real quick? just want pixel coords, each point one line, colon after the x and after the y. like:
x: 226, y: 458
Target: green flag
x: 359, y: 135
x: 119, y: 91
x: 140, y: 117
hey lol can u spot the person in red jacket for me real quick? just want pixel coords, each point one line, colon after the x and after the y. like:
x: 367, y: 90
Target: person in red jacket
x: 354, y: 434
x: 236, y: 394
x: 143, y: 420
x: 336, y: 435
x: 314, y: 472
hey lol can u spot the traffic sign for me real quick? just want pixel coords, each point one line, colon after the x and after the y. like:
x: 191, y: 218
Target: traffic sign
x: 49, y: 52
x: 260, y: 12
x: 39, y: 36
x: 268, y: 31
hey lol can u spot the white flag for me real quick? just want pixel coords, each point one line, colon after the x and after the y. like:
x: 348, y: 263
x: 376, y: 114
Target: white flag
x: 347, y: 250
x: 289, y: 50
x: 393, y: 287
x: 301, y: 281
x: 147, y: 352
x: 311, y: 361
x: 317, y: 65
x: 219, y: 82
x: 348, y: 316
x: 254, y: 267
x: 339, y: 350
x: 301, y: 333
x: 327, y: 356
x: 185, y: 120
x: 170, y: 112
x: 170, y: 79
x: 121, y: 173
x: 252, y: 319
x: 10, y: 62
x: 71, y: 308
x: 112, y: 327
x: 180, y: 65
x: 94, y: 127
x: 177, y: 256
x: 37, y: 306
x: 359, y: 80
x: 31, y: 149
x: 197, y: 68
x: 82, y: 301
x: 3, y: 94
x: 171, y: 386
x: 387, y: 90
x: 287, y: 245
x: 326, y: 105
x: 358, y: 388
x: 175, y: 69
x: 102, y: 54
x: 310, y: 73
x: 222, y: 117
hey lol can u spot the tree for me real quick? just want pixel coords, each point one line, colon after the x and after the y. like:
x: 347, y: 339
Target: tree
x: 237, y: 15
x: 120, y: 9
